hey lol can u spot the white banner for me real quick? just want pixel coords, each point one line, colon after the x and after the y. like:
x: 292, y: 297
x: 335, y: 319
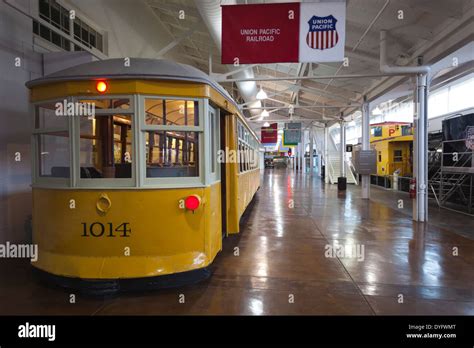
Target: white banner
x: 322, y: 31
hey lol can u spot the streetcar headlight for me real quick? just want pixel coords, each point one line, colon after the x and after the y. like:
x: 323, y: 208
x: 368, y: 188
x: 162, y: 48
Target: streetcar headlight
x: 192, y: 202
x: 101, y: 86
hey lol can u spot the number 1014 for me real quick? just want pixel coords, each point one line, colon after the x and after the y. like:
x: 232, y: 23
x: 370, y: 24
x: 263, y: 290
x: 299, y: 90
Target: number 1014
x: 98, y: 229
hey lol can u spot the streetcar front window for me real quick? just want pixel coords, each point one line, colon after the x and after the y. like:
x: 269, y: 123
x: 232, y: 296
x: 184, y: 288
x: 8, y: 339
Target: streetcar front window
x: 106, y: 103
x: 171, y: 112
x: 171, y: 154
x: 106, y: 146
x: 171, y: 135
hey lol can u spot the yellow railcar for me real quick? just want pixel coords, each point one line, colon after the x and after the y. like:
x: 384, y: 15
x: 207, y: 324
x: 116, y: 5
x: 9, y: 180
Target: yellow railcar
x: 140, y: 169
x: 393, y: 142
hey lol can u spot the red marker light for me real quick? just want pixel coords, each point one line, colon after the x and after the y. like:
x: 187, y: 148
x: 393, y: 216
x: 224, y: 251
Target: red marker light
x: 192, y: 202
x: 101, y: 87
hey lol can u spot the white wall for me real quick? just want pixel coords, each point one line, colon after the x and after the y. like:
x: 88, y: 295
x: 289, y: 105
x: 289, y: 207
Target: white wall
x: 15, y: 194
x: 132, y: 28
x: 132, y: 31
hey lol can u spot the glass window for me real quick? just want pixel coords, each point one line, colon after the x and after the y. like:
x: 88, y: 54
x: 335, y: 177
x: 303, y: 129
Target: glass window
x: 171, y: 154
x: 49, y: 116
x: 241, y: 157
x: 397, y: 156
x: 438, y: 103
x: 377, y: 131
x: 406, y: 130
x: 53, y: 152
x: 55, y: 14
x: 52, y: 142
x: 119, y: 103
x: 171, y: 112
x: 88, y: 36
x: 213, y: 135
x: 106, y: 146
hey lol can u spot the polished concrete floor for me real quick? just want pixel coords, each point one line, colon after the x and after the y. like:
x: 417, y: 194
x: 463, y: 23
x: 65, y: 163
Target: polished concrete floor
x: 284, y: 266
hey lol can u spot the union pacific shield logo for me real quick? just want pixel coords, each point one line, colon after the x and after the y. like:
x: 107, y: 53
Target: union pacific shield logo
x: 322, y: 32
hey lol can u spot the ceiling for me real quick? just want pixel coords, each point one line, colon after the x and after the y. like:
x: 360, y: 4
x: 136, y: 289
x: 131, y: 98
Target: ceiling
x: 429, y: 28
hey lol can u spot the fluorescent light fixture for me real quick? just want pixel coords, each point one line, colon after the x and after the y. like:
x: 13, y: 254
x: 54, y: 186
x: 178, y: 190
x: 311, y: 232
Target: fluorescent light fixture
x: 265, y: 113
x: 291, y: 109
x: 261, y: 94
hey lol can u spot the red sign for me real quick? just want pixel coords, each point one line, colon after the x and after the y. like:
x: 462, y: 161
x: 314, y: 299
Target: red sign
x: 270, y: 134
x: 260, y: 33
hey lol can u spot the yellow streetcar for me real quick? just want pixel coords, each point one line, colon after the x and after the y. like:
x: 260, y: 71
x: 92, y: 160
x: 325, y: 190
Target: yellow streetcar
x: 140, y: 169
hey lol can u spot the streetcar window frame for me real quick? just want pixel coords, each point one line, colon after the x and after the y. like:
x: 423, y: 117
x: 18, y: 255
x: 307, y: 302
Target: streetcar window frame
x: 247, y: 146
x: 79, y: 182
x: 245, y: 140
x: 143, y: 128
x: 36, y: 132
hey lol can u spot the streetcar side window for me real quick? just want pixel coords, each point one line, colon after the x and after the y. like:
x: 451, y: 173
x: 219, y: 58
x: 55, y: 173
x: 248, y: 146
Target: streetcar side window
x: 52, y: 142
x: 213, y: 135
x: 247, y: 149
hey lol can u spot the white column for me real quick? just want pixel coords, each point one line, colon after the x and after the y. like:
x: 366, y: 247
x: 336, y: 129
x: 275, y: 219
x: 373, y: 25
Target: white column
x: 420, y: 213
x: 365, y: 146
x: 326, y: 154
x: 343, y: 148
x: 301, y: 153
x: 311, y: 145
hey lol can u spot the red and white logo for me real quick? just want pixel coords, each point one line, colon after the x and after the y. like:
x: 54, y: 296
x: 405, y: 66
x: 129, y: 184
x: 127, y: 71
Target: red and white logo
x: 322, y: 33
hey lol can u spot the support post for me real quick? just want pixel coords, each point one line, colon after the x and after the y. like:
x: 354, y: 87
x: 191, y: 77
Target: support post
x: 342, y: 180
x: 420, y: 212
x: 311, y: 145
x: 301, y: 154
x: 343, y: 148
x: 303, y: 151
x: 326, y: 155
x: 365, y: 146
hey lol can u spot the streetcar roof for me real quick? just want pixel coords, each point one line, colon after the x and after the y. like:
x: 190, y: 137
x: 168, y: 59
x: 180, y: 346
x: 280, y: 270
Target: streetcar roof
x: 138, y: 69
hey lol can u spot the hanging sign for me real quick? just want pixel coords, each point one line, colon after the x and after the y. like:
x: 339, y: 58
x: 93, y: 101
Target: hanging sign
x: 291, y: 137
x: 270, y: 134
x: 293, y: 125
x: 282, y: 33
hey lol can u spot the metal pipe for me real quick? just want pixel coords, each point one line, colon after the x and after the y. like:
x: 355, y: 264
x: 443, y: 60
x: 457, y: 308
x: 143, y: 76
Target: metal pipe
x: 301, y: 107
x: 365, y: 145
x: 420, y: 140
x: 369, y: 27
x: 397, y: 70
x: 421, y: 134
x: 321, y: 77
